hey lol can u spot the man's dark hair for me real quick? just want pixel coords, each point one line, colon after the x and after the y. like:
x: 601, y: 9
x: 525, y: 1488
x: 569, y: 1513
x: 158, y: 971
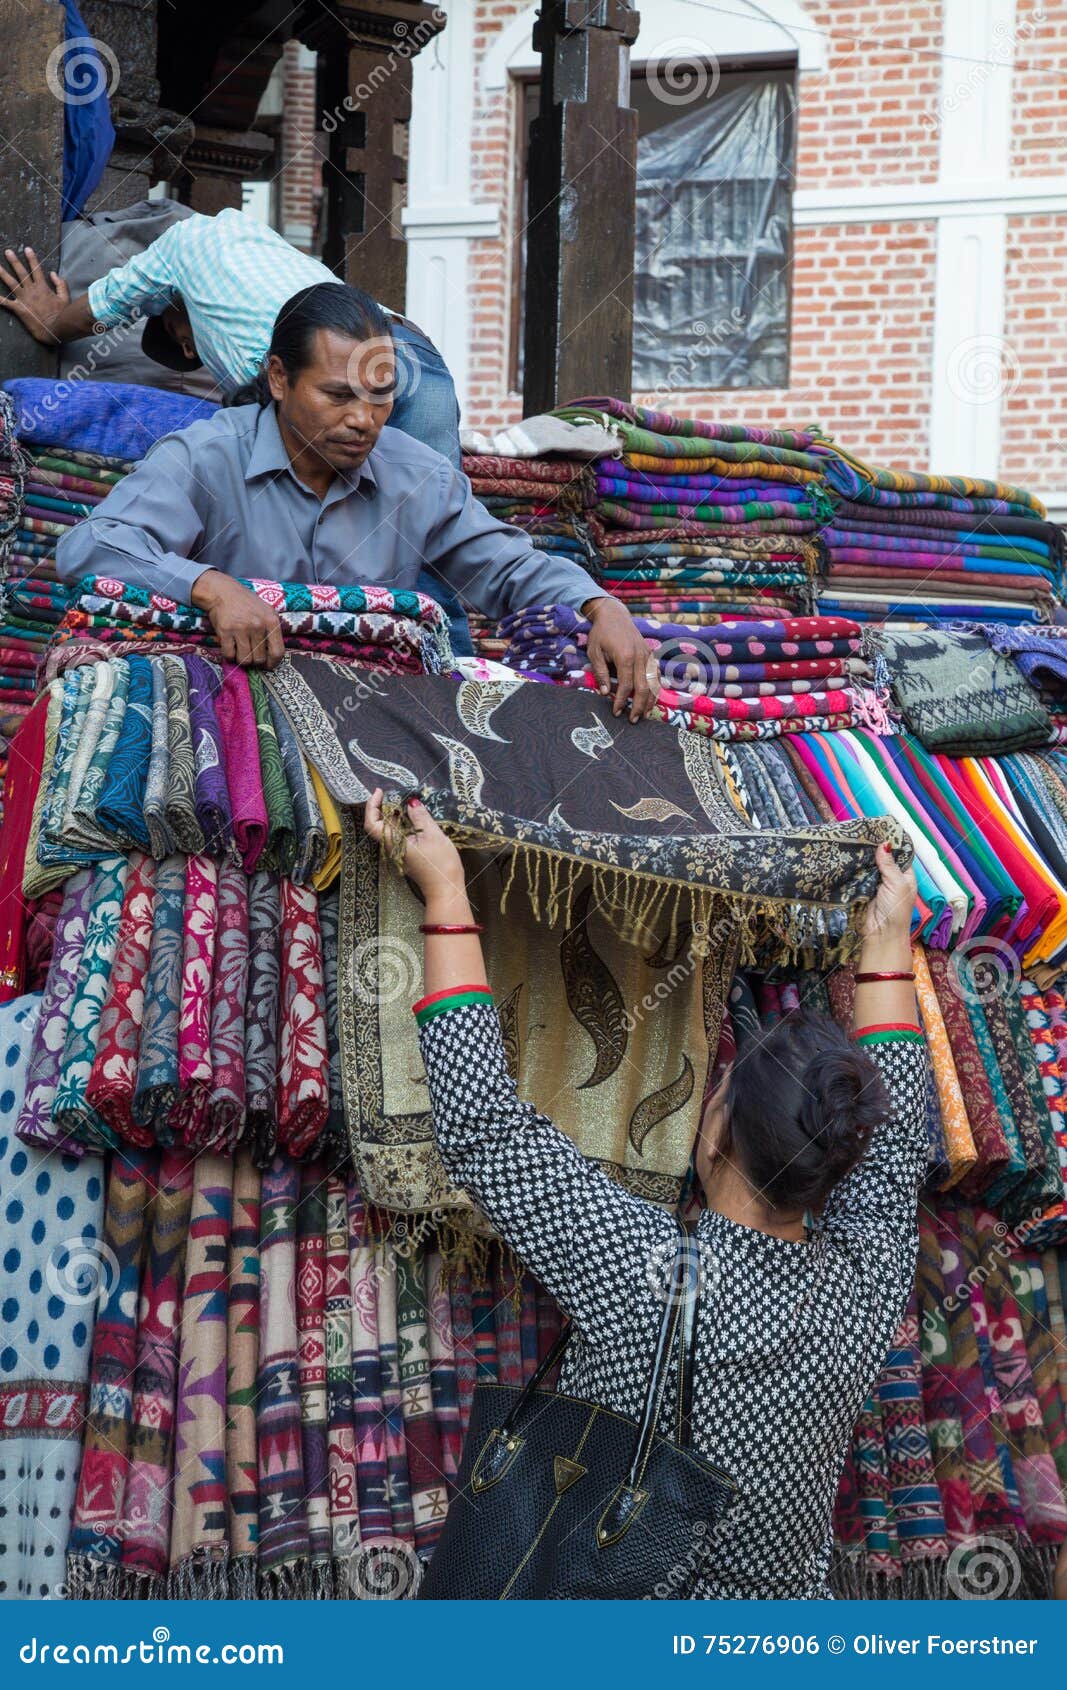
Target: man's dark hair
x: 346, y: 310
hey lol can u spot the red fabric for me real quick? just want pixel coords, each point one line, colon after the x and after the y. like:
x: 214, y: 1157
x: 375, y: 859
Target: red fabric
x: 449, y: 992
x: 24, y: 767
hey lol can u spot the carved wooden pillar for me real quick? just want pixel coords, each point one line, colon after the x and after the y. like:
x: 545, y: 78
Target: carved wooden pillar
x: 582, y: 199
x: 366, y: 50
x: 31, y: 125
x: 149, y: 139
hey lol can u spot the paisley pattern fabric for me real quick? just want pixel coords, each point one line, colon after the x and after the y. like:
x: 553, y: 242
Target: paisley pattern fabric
x: 491, y: 765
x: 626, y: 1086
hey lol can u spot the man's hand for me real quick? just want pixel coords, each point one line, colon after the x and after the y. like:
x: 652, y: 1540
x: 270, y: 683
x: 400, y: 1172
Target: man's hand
x: 41, y: 305
x: 615, y: 641
x: 249, y: 632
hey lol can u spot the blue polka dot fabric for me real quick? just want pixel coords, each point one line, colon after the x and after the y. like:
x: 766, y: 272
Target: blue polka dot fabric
x: 53, y: 1273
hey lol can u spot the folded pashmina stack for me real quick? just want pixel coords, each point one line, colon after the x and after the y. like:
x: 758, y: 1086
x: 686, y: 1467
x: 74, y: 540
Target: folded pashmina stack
x: 702, y: 521
x: 960, y: 696
x: 905, y: 547
x: 169, y: 752
x: 547, y: 497
x: 43, y: 492
x: 728, y: 680
x: 401, y: 630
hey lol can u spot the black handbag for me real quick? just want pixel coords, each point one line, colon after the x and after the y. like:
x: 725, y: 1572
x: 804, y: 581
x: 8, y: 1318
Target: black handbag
x: 558, y: 1498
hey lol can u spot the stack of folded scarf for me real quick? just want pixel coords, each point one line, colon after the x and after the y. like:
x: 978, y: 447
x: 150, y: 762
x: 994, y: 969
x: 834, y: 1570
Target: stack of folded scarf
x: 550, y: 498
x: 927, y: 548
x: 546, y: 497
x: 704, y: 520
x: 728, y: 680
x: 61, y: 489
x: 167, y: 753
x: 1040, y: 655
x: 373, y: 626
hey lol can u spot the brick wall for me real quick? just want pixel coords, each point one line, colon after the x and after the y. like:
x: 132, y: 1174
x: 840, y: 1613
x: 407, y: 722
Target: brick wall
x: 1033, y: 444
x: 862, y: 293
x: 869, y: 117
x: 861, y: 343
x: 300, y: 178
x: 1039, y: 132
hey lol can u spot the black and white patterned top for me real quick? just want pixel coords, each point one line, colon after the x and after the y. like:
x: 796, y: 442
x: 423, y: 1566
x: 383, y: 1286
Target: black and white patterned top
x: 790, y: 1336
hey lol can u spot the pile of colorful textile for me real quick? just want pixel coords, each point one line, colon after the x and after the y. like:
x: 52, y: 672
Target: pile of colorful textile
x: 229, y: 1385
x: 990, y: 834
x: 43, y: 492
x: 1040, y: 655
x: 550, y: 498
x: 63, y: 446
x: 905, y: 547
x: 188, y: 1005
x: 704, y: 519
x: 727, y: 680
x: 956, y: 1483
x: 376, y: 627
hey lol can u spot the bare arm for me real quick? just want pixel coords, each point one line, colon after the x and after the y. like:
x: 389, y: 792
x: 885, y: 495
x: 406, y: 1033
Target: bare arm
x: 42, y: 303
x: 874, y: 1207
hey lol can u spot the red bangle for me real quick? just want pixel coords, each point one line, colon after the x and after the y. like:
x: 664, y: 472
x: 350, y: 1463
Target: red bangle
x: 449, y: 927
x: 868, y: 979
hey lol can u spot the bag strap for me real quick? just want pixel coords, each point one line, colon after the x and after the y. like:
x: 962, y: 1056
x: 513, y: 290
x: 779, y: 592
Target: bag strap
x: 683, y: 1291
x: 677, y: 1326
x: 687, y: 1339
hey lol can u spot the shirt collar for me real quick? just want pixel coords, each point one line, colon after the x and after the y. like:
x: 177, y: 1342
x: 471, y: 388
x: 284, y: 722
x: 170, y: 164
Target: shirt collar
x: 269, y: 457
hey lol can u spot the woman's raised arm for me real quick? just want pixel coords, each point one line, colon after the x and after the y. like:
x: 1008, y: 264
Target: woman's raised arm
x: 596, y: 1248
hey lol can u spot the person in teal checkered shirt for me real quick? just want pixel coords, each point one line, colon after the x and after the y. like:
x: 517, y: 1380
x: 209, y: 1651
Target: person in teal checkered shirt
x: 209, y: 290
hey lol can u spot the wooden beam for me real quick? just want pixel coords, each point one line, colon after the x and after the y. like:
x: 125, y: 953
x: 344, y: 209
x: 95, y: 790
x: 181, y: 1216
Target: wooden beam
x: 31, y: 159
x: 582, y: 184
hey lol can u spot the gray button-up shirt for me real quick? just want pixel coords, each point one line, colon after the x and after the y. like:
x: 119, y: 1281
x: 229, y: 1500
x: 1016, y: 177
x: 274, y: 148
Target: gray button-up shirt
x: 222, y: 495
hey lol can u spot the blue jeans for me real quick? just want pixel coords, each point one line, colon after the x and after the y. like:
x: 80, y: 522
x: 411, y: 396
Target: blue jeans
x: 426, y: 408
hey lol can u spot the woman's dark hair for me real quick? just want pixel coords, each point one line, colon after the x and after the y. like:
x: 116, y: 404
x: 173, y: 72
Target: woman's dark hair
x: 801, y: 1105
x: 346, y: 310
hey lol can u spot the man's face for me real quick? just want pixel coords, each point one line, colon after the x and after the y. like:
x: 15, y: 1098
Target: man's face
x: 338, y: 405
x: 180, y: 330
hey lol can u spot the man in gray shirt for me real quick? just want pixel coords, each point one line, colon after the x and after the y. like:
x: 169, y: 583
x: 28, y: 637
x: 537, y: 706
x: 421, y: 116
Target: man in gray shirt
x: 309, y: 486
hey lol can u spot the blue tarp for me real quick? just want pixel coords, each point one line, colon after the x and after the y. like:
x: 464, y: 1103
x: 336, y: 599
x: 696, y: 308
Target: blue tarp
x: 88, y: 133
